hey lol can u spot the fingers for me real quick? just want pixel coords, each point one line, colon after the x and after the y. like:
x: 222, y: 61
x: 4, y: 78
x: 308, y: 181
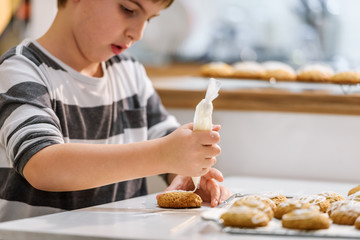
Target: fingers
x: 208, y: 137
x: 204, y: 171
x: 218, y: 193
x: 216, y: 128
x: 215, y: 174
x: 207, y: 164
x: 210, y: 151
x: 197, y: 150
x: 206, y: 161
x: 214, y: 192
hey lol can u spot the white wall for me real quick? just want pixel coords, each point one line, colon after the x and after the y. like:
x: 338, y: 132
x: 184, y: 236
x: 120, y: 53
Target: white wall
x: 292, y: 145
x: 284, y: 145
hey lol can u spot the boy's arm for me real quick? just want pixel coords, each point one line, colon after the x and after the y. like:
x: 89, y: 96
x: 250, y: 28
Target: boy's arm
x: 71, y: 166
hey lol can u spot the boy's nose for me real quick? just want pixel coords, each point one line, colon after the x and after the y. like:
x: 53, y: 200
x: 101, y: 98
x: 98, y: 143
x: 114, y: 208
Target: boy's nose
x: 135, y: 33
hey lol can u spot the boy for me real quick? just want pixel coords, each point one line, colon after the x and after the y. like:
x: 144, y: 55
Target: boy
x: 81, y: 124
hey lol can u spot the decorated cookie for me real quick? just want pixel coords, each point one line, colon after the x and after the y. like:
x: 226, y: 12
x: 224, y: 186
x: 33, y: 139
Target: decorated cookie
x: 266, y: 200
x: 244, y: 216
x: 277, y: 198
x: 318, y: 200
x: 306, y: 219
x: 357, y: 223
x: 345, y: 212
x: 291, y: 205
x: 355, y: 196
x: 332, y: 196
x: 255, y: 203
x: 354, y: 190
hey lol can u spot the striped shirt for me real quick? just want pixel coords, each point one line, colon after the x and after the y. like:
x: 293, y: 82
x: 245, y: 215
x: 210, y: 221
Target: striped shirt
x: 44, y: 102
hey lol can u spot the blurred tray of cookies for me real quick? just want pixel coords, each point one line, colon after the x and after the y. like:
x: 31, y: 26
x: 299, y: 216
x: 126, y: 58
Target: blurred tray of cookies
x: 279, y: 71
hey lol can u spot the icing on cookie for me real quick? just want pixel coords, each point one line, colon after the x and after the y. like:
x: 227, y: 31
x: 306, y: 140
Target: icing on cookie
x: 301, y: 214
x: 355, y: 196
x: 314, y: 199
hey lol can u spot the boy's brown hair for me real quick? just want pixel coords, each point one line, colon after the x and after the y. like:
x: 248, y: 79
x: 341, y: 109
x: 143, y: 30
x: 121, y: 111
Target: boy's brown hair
x: 61, y: 3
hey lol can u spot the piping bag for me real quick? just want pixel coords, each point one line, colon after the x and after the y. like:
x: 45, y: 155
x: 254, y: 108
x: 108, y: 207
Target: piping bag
x: 203, y: 114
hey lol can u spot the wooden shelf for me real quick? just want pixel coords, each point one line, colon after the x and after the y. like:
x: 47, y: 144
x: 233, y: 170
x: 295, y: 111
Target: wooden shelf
x: 266, y: 101
x: 253, y: 99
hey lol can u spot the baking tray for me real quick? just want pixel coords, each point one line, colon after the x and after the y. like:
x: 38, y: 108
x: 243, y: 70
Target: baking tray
x: 274, y: 227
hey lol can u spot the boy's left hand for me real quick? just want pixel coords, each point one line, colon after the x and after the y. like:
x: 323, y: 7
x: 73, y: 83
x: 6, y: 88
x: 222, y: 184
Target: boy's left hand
x: 209, y: 190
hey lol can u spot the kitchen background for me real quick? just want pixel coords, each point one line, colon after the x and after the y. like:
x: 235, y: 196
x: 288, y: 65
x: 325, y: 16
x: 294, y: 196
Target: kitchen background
x: 264, y: 144
x: 294, y: 31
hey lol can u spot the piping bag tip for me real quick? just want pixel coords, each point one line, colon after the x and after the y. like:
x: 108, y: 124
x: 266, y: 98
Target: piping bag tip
x: 196, y: 181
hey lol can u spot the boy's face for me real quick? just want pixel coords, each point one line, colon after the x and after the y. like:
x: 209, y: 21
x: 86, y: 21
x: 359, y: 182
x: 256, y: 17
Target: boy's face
x: 103, y: 28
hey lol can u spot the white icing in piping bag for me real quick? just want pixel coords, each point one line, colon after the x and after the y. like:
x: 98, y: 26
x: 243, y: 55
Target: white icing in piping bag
x: 203, y: 113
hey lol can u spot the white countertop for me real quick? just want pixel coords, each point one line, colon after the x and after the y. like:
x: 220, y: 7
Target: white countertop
x: 141, y: 218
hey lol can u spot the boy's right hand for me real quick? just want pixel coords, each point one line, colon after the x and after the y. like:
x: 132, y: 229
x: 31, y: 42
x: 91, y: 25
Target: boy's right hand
x: 190, y: 153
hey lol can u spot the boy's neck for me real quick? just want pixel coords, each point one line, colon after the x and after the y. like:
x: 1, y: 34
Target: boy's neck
x: 65, y: 49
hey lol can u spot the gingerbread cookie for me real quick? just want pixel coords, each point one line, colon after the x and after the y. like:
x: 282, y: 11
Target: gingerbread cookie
x: 357, y: 223
x: 265, y: 200
x: 291, y: 205
x: 332, y: 196
x: 345, y: 212
x: 349, y: 77
x: 244, y: 216
x: 354, y: 190
x: 320, y: 201
x: 277, y: 198
x: 247, y: 69
x: 216, y: 70
x: 336, y: 205
x: 355, y: 196
x: 305, y: 219
x: 256, y: 203
x: 279, y: 71
x: 315, y: 73
x: 179, y: 199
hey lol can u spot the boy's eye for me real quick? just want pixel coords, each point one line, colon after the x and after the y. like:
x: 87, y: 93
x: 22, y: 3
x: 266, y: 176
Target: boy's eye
x: 127, y: 10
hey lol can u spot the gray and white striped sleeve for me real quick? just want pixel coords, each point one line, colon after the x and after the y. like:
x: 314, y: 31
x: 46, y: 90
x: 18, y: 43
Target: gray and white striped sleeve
x: 160, y: 122
x: 27, y: 121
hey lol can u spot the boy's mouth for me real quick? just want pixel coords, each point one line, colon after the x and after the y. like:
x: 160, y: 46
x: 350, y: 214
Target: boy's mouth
x: 116, y: 49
